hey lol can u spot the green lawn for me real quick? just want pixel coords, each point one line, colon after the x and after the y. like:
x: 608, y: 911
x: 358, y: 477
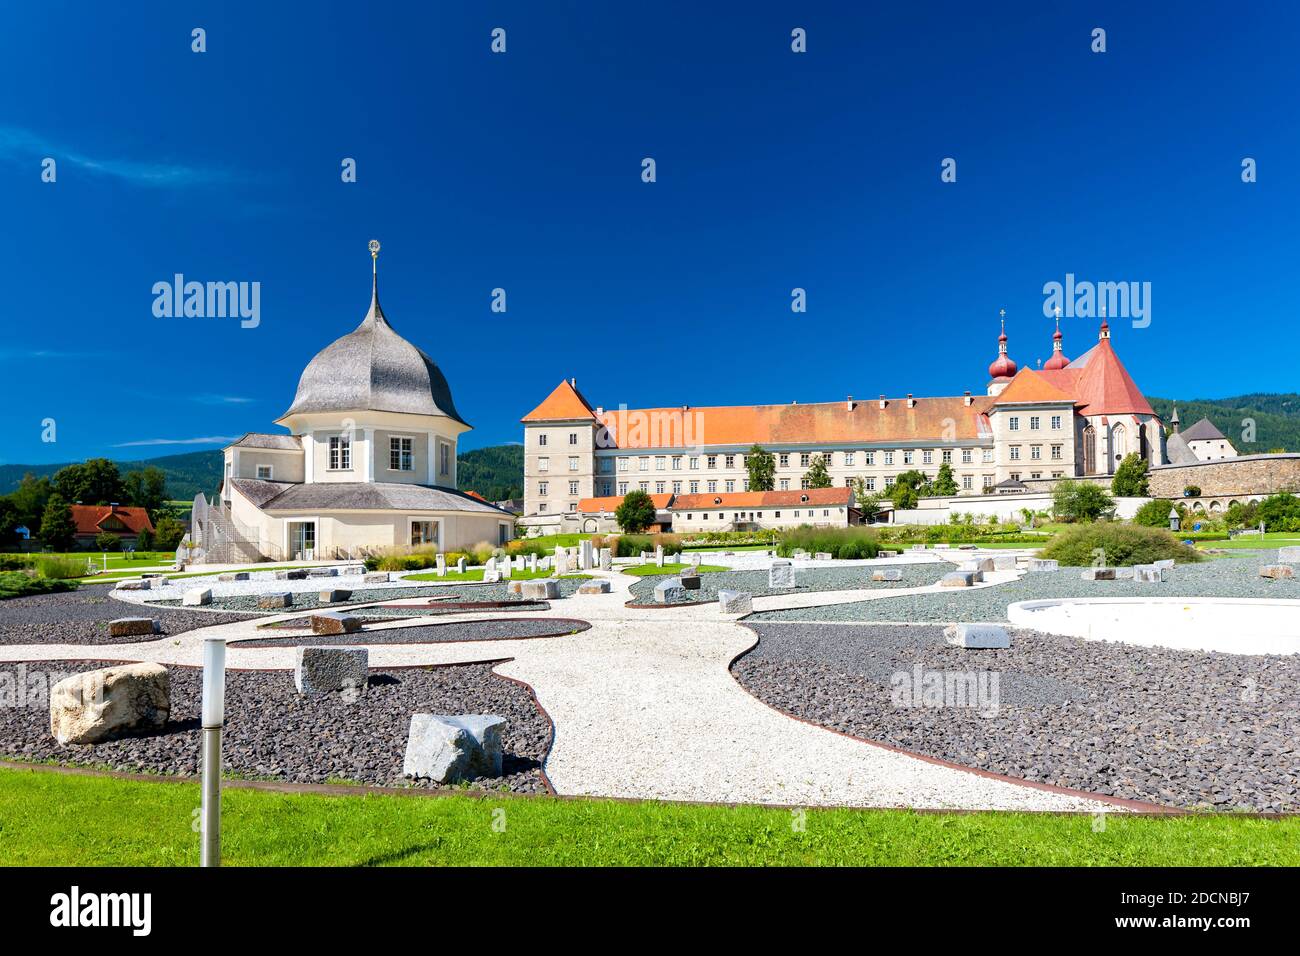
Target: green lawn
x: 116, y: 560
x: 1274, y: 539
x: 50, y: 819
x: 650, y: 570
x: 476, y: 574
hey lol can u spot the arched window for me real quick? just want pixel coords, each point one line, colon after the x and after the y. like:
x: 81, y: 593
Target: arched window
x: 1118, y: 445
x: 1089, y: 450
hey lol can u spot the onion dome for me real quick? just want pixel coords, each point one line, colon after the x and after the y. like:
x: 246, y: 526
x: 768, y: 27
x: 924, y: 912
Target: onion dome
x: 372, y: 368
x: 1058, y: 359
x: 1003, y: 366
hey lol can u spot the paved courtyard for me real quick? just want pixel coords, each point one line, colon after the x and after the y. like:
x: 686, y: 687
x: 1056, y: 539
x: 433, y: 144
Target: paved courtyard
x: 683, y: 703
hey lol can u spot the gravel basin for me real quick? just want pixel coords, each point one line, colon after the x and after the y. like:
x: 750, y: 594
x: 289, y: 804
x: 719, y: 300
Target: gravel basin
x: 82, y: 616
x: 808, y: 579
x: 307, y: 600
x: 487, y: 630
x: 1180, y: 728
x: 274, y: 734
x: 1225, y: 577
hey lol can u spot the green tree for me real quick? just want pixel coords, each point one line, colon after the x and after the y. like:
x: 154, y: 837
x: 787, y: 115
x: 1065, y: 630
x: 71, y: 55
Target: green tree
x: 168, y: 532
x: 1154, y: 514
x: 867, y: 502
x: 1130, y: 480
x: 57, y: 527
x: 816, y: 476
x: 8, y: 521
x: 944, y: 483
x: 107, y: 541
x: 636, y: 513
x: 29, y: 500
x: 144, y: 540
x: 1080, y: 500
x: 906, y: 490
x: 762, y: 469
x: 146, y: 488
x: 96, y: 481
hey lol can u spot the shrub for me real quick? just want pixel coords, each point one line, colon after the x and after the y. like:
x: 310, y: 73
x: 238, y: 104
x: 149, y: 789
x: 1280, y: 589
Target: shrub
x: 1279, y: 512
x: 144, y: 541
x: 1154, y: 514
x: 55, y: 567
x: 631, y: 545
x: 1080, y: 500
x: 1192, y: 491
x: 107, y: 541
x: 19, y: 584
x: 1115, y: 544
x: 846, y: 543
x: 16, y: 562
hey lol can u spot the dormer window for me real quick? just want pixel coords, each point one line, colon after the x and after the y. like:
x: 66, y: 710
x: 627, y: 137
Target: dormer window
x: 340, y: 453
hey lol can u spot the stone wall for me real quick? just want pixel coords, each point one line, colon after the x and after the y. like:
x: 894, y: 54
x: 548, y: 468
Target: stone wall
x: 1248, y: 475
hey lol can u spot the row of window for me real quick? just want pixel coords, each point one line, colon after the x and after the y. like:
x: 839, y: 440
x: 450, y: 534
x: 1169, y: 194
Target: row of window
x: 1036, y: 452
x: 573, y: 438
x: 401, y: 455
x: 741, y: 515
x: 848, y: 459
x: 1035, y: 423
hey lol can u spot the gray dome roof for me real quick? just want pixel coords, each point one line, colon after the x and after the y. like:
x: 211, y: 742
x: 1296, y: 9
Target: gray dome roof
x: 373, y: 368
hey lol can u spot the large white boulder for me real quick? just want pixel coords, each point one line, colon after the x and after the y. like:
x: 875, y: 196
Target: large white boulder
x: 452, y: 749
x: 113, y: 702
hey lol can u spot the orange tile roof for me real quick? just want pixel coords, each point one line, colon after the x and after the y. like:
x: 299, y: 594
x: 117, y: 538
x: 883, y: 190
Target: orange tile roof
x: 765, y: 499
x: 92, y: 519
x: 610, y: 502
x: 1031, y: 386
x: 946, y: 418
x: 565, y: 403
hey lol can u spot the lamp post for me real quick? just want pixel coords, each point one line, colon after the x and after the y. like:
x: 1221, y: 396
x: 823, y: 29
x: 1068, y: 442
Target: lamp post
x: 1174, y: 521
x: 214, y: 715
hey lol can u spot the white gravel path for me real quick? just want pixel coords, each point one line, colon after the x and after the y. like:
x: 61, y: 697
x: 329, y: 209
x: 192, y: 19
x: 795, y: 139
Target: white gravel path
x: 644, y: 706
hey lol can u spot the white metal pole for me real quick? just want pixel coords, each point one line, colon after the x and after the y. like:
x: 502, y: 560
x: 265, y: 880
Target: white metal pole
x: 214, y: 715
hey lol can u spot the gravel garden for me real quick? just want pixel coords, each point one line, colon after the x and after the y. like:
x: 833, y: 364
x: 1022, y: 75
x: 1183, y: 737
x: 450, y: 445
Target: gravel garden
x: 1225, y: 577
x: 809, y: 579
x: 309, y: 599
x: 1180, y: 728
x: 82, y: 616
x: 300, y: 634
x: 273, y: 733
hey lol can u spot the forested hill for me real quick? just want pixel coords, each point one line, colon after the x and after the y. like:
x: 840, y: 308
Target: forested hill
x: 1276, y: 419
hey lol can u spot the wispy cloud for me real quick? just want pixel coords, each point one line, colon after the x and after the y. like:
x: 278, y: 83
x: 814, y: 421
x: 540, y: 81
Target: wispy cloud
x: 206, y: 440
x: 222, y: 399
x: 28, y: 354
x: 22, y: 145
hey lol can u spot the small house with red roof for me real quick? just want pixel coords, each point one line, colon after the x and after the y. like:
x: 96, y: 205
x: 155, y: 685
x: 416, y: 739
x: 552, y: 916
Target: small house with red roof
x: 124, y: 521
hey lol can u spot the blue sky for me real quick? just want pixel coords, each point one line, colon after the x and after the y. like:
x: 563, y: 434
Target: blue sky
x: 522, y: 171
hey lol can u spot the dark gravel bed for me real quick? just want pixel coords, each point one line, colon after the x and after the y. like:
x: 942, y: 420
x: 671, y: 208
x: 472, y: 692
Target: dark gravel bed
x: 807, y: 579
x: 487, y: 630
x: 1180, y: 728
x: 272, y: 733
x: 1224, y: 577
x: 308, y: 600
x: 82, y: 616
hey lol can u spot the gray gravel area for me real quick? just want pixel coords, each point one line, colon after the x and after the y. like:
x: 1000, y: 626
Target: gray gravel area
x: 306, y: 601
x: 273, y: 733
x: 82, y: 616
x: 1226, y: 577
x: 807, y: 579
x: 487, y: 630
x: 1180, y: 728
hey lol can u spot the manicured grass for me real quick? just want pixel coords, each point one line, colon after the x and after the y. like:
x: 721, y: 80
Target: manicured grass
x: 476, y: 574
x: 123, y: 575
x: 49, y: 819
x: 552, y: 541
x: 650, y: 570
x: 116, y: 560
x: 1274, y: 539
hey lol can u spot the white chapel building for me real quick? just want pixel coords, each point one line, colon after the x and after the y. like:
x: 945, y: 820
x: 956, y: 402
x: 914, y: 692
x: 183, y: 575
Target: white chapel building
x: 368, y: 462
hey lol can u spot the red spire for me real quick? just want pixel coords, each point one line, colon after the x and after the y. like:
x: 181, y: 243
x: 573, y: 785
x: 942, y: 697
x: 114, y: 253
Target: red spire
x: 1058, y: 359
x: 1003, y: 366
